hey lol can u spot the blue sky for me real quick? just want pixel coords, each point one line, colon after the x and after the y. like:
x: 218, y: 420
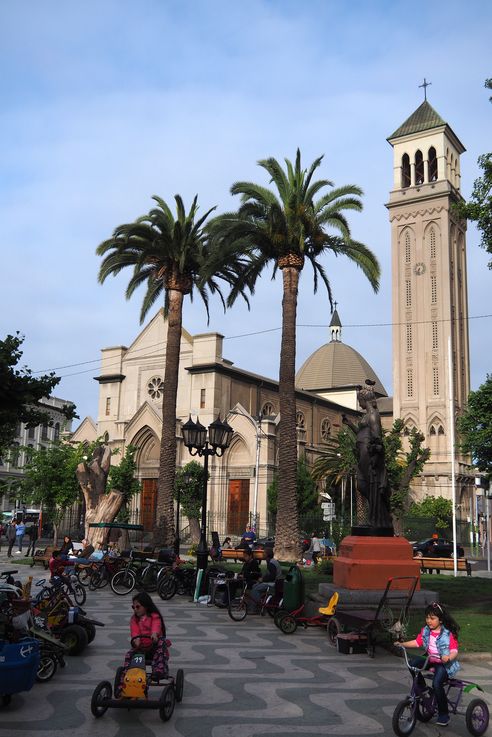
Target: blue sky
x: 104, y: 104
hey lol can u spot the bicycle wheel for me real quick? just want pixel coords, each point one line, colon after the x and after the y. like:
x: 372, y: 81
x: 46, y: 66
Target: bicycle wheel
x: 79, y: 594
x: 148, y: 579
x: 123, y: 582
x: 404, y: 718
x: 167, y: 587
x: 84, y: 576
x: 237, y: 609
x: 46, y: 668
x: 278, y: 616
x: 287, y: 624
x: 477, y: 717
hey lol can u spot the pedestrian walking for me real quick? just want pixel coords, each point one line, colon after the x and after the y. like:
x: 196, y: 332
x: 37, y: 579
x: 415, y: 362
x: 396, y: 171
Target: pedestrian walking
x: 10, y: 537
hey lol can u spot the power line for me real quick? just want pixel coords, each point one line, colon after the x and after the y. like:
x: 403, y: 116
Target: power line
x: 254, y: 333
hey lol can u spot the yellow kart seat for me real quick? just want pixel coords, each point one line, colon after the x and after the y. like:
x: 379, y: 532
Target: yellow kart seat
x: 330, y: 608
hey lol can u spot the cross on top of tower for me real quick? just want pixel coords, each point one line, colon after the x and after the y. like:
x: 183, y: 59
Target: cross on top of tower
x: 425, y: 84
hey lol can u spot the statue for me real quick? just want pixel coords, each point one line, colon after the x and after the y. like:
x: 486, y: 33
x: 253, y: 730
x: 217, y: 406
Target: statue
x: 372, y: 476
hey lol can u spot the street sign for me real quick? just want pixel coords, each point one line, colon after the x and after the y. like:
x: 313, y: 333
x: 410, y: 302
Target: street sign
x: 327, y: 516
x: 328, y: 507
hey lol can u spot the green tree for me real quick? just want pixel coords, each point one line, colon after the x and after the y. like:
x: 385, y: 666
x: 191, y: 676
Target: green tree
x: 475, y: 427
x: 479, y: 208
x: 189, y: 487
x: 434, y: 506
x: 21, y: 393
x: 123, y: 478
x: 49, y: 479
x: 306, y: 490
x: 284, y: 228
x: 171, y: 255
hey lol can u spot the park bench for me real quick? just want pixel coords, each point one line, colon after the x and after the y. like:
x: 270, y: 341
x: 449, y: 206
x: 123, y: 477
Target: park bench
x: 42, y: 556
x: 238, y: 554
x: 444, y: 564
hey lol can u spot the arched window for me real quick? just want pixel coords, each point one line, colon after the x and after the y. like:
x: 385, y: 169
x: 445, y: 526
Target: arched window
x: 440, y: 430
x: 408, y: 249
x: 57, y: 431
x: 44, y: 432
x: 31, y: 432
x: 268, y: 410
x: 419, y: 167
x: 432, y: 242
x: 325, y: 429
x: 432, y: 164
x: 14, y: 455
x: 405, y: 171
x: 300, y: 420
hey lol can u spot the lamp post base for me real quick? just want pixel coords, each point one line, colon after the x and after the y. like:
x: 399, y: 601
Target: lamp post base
x: 202, y: 558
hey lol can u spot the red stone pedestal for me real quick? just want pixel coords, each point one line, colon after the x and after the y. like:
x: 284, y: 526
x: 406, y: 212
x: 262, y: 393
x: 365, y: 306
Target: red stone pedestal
x: 368, y: 562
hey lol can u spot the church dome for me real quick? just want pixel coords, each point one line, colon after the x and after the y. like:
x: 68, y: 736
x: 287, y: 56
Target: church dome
x: 336, y: 365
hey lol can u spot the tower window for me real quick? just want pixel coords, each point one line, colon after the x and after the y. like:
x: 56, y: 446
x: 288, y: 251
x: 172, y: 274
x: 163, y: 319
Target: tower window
x: 419, y: 168
x: 107, y: 410
x: 409, y: 383
x: 408, y: 293
x: 435, y: 381
x: 432, y: 243
x: 409, y: 337
x: 433, y: 430
x: 203, y: 393
x: 407, y: 247
x: 432, y: 164
x: 433, y: 289
x: 435, y: 343
x: 405, y: 171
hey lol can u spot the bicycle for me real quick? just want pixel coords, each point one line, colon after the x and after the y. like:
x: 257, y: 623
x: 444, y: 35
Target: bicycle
x: 269, y: 602
x: 421, y: 703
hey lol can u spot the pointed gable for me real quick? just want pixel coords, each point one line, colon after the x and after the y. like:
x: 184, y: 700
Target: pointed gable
x: 424, y: 118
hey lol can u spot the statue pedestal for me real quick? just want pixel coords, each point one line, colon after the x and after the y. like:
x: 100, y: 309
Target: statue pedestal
x: 368, y: 562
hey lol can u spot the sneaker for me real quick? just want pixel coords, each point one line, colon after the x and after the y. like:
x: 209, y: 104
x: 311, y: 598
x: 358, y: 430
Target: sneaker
x: 443, y: 720
x: 18, y: 552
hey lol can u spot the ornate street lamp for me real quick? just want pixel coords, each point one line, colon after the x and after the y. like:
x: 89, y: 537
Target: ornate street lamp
x: 195, y: 439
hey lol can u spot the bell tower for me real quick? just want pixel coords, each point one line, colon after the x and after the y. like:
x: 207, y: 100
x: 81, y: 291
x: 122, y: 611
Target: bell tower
x: 429, y: 285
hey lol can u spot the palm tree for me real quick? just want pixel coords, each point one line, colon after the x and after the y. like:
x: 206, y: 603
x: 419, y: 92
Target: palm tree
x: 171, y: 255
x: 285, y: 228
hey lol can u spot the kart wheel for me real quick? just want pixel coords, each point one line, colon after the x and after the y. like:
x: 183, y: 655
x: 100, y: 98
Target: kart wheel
x: 404, y: 718
x: 90, y: 630
x: 74, y: 637
x: 287, y: 624
x: 333, y: 629
x: 179, y: 685
x: 79, y: 594
x: 117, y: 681
x: 237, y: 610
x: 167, y: 587
x: 46, y: 668
x: 477, y: 717
x: 102, y: 692
x: 278, y: 616
x: 166, y: 703
x: 123, y: 582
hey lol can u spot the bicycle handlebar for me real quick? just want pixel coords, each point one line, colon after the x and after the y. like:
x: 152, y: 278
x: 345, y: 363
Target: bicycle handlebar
x: 413, y: 668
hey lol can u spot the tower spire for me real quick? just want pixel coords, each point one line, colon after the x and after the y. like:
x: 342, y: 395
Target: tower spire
x: 335, y: 325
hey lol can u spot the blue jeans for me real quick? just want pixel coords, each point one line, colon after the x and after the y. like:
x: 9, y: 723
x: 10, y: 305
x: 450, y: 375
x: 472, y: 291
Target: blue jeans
x: 440, y: 678
x: 19, y: 539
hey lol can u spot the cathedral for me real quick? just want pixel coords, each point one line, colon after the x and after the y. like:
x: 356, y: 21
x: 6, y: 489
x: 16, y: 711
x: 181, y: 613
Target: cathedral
x: 430, y: 360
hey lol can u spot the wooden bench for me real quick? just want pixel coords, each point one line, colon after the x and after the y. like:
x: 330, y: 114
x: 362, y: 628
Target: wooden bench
x: 238, y: 554
x: 42, y: 556
x: 444, y: 564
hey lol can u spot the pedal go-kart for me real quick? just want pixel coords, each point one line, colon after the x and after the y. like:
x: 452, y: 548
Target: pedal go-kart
x: 132, y: 685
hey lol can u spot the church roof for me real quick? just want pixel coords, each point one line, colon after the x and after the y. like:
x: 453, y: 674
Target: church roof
x: 334, y: 365
x: 424, y: 118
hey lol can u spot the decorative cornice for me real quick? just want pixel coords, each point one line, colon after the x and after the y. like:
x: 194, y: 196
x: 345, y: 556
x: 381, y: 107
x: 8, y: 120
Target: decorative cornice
x: 110, y: 378
x: 417, y: 213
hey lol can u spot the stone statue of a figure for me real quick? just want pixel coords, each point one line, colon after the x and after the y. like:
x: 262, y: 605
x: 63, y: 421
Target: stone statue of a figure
x: 372, y: 476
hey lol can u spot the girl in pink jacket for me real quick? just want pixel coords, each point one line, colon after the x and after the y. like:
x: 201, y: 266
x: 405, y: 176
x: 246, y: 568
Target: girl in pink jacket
x: 148, y: 632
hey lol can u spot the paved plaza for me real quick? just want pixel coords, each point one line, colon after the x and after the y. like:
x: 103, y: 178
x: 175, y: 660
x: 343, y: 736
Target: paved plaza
x: 241, y: 680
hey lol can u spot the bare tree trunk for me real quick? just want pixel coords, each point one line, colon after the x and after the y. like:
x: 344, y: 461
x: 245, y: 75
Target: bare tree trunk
x: 99, y: 505
x: 287, y: 538
x: 164, y: 531
x: 194, y: 529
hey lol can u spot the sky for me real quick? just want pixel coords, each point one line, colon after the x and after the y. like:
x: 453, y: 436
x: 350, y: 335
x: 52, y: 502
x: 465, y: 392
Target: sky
x: 106, y: 103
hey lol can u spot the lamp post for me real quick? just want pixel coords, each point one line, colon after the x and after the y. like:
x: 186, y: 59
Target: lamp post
x: 195, y: 439
x: 186, y: 478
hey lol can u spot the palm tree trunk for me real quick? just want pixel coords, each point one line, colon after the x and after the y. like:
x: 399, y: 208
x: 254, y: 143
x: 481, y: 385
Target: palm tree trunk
x: 287, y: 542
x: 164, y: 532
